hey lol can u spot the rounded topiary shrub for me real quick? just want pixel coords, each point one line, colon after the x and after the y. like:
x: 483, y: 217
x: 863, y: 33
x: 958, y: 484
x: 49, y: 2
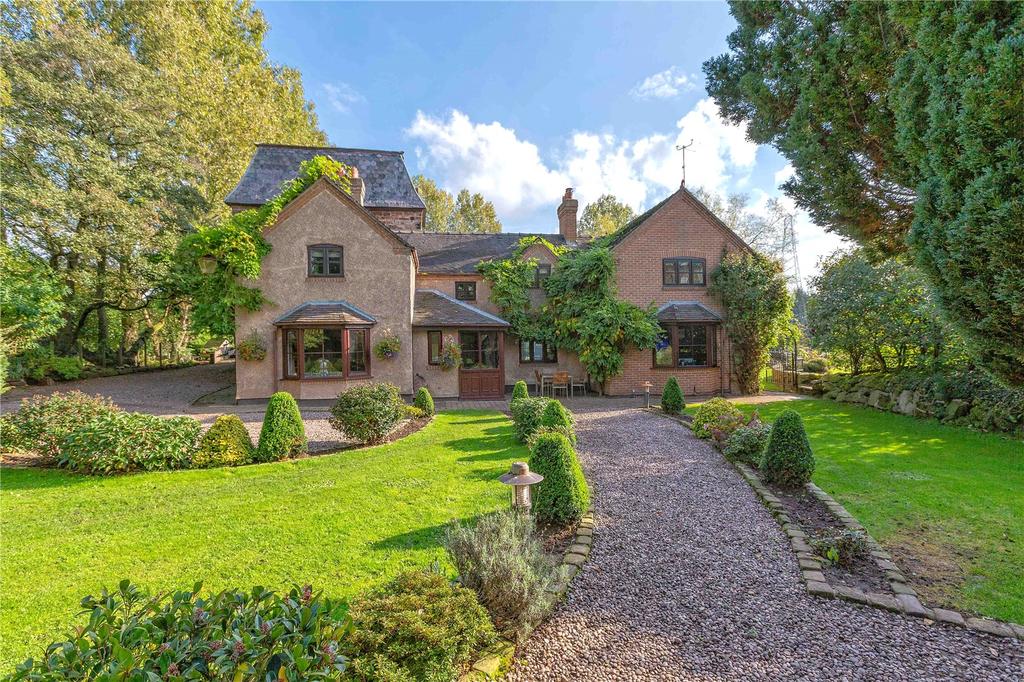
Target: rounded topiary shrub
x: 788, y: 460
x: 707, y: 414
x: 672, y: 397
x: 563, y: 496
x: 526, y: 416
x: 424, y: 401
x: 555, y: 416
x: 520, y: 391
x: 225, y: 443
x: 118, y: 442
x: 283, y: 434
x: 368, y: 413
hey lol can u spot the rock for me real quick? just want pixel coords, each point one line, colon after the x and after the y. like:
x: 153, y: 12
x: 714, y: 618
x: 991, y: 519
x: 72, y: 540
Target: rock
x: 951, y: 617
x: 911, y: 605
x: 992, y: 627
x: 906, y: 403
x: 957, y: 408
x: 880, y: 400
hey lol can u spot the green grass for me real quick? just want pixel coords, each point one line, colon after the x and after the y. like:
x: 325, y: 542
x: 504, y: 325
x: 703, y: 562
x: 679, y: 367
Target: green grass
x: 947, y: 500
x: 340, y: 522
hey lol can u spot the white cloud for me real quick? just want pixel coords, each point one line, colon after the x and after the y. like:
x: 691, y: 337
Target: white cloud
x: 785, y: 173
x: 664, y: 85
x: 492, y: 159
x: 341, y: 96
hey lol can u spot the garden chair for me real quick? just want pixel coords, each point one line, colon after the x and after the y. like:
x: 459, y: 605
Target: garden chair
x: 580, y: 383
x: 560, y: 382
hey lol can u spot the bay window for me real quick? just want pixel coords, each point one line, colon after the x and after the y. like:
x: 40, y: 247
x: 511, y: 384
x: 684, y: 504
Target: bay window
x: 326, y: 352
x: 687, y: 345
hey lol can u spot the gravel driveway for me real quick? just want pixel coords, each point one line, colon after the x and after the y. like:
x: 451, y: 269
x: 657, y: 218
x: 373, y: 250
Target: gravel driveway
x: 690, y: 578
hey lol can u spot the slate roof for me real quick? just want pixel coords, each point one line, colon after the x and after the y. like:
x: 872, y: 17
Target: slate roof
x: 325, y: 313
x: 458, y: 254
x: 687, y: 311
x: 384, y: 174
x: 437, y: 309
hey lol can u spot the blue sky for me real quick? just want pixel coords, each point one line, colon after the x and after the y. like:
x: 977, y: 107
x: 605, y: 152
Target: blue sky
x: 519, y: 101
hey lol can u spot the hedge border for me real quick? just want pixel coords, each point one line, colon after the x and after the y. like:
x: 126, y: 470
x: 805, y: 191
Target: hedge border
x: 497, y: 660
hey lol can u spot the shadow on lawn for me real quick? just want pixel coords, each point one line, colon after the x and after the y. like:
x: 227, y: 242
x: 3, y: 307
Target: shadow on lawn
x: 420, y: 538
x: 38, y: 478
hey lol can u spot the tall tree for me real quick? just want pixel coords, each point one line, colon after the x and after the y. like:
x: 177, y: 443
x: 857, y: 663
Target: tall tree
x: 440, y: 204
x: 466, y: 213
x: 769, y: 231
x: 604, y: 216
x: 902, y: 121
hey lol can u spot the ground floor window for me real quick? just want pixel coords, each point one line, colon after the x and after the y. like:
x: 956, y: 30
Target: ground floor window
x: 479, y: 349
x: 537, y: 351
x: 687, y: 345
x: 326, y: 352
x: 434, y: 348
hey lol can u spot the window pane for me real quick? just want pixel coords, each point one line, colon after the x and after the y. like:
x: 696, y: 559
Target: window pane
x: 313, y: 340
x: 291, y: 353
x: 542, y: 272
x: 316, y: 261
x: 538, y: 351
x: 663, y: 351
x: 693, y: 347
x: 470, y: 349
x: 668, y: 272
x: 698, y: 271
x: 489, y: 349
x: 525, y: 354
x: 550, y: 353
x: 334, y: 261
x: 465, y: 291
x: 323, y: 365
x: 434, y: 347
x: 356, y: 351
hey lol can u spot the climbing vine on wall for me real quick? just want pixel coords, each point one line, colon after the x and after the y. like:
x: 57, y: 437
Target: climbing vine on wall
x: 238, y: 248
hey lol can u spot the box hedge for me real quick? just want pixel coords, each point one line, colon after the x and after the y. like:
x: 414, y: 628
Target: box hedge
x: 225, y: 443
x: 424, y: 401
x: 283, y: 434
x: 556, y: 417
x: 563, y: 496
x: 526, y: 416
x: 788, y: 460
x: 368, y: 413
x: 672, y: 397
x: 520, y: 391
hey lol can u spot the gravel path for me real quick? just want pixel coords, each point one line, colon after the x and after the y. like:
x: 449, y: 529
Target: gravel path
x: 691, y: 579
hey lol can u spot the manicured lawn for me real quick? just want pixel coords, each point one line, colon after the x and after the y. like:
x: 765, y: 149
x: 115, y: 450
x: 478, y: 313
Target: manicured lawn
x: 948, y: 501
x: 340, y: 522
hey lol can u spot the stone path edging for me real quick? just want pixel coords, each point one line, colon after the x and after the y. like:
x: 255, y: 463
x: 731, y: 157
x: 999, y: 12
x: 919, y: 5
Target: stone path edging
x: 495, y: 661
x: 905, y: 601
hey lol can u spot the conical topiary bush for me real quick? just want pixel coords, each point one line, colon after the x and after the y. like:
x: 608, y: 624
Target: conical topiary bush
x: 556, y: 417
x: 562, y: 496
x: 672, y: 397
x: 520, y: 391
x: 424, y: 401
x: 283, y: 434
x: 788, y: 460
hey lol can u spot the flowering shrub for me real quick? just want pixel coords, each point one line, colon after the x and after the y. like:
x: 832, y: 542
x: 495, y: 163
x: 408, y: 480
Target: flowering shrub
x: 388, y: 346
x: 117, y: 442
x: 451, y: 354
x: 43, y: 422
x: 368, y: 413
x: 707, y: 414
x: 252, y: 348
x: 226, y: 443
x: 725, y: 425
x: 417, y: 627
x: 255, y: 635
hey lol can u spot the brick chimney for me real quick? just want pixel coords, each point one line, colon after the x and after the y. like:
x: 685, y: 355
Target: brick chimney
x: 567, y: 216
x: 356, y: 186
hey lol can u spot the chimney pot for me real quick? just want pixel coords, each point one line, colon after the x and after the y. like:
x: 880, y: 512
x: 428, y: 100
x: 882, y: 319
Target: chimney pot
x: 567, y: 216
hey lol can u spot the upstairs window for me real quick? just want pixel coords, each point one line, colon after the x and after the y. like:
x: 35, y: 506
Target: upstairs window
x: 541, y: 273
x: 465, y: 291
x: 537, y: 351
x: 326, y: 260
x: 677, y: 272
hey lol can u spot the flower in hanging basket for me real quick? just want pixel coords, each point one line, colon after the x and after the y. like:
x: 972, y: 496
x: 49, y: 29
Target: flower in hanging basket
x: 451, y: 354
x: 388, y: 346
x: 252, y: 348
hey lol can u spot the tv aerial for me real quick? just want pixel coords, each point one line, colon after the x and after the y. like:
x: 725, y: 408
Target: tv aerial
x: 682, y: 148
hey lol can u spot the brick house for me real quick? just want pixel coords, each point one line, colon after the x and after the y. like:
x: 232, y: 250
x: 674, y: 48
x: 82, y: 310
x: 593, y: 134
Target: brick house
x: 347, y: 269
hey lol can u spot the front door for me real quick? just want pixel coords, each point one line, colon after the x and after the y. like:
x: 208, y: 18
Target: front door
x: 481, y: 374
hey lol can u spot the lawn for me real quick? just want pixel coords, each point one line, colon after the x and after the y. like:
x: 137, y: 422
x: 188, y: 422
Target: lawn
x: 340, y: 522
x: 947, y: 501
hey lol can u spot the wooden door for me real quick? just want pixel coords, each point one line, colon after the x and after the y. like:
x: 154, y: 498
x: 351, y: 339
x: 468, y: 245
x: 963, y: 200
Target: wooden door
x: 481, y: 376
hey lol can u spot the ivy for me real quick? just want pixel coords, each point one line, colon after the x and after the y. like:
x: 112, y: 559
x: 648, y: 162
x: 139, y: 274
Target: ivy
x: 238, y: 246
x: 583, y: 313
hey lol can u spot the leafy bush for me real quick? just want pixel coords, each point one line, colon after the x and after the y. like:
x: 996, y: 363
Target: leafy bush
x: 225, y: 443
x: 561, y: 430
x: 788, y: 460
x: 555, y: 416
x: 672, y: 397
x: 707, y: 414
x: 526, y: 416
x: 424, y: 401
x: 68, y: 368
x: 117, y: 442
x: 520, y: 390
x: 413, y: 412
x: 43, y: 422
x: 283, y: 434
x: 563, y: 496
x: 747, y: 443
x: 842, y: 548
x: 417, y: 627
x: 368, y: 413
x: 502, y: 560
x: 254, y: 635
x: 815, y: 366
x: 725, y: 425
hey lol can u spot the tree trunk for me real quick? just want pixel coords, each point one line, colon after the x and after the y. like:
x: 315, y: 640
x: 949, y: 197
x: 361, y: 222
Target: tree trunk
x: 102, y: 323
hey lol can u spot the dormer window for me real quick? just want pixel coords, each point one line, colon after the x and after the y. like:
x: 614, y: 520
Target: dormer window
x: 541, y: 273
x: 325, y: 260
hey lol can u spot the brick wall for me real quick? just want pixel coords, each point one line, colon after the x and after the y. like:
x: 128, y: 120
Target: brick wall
x: 399, y: 219
x: 679, y: 229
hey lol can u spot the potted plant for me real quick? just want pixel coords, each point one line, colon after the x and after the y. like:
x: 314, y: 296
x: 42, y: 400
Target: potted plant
x: 252, y: 348
x: 451, y: 354
x: 388, y: 346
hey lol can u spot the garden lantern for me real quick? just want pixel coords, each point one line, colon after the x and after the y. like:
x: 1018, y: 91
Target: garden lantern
x: 207, y: 265
x: 520, y: 478
x: 647, y: 392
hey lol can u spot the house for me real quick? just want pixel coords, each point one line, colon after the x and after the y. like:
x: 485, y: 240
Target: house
x: 347, y: 269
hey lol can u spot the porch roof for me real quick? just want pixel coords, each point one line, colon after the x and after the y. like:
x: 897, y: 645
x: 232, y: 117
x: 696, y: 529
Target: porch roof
x: 687, y: 311
x: 434, y: 308
x: 325, y: 313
